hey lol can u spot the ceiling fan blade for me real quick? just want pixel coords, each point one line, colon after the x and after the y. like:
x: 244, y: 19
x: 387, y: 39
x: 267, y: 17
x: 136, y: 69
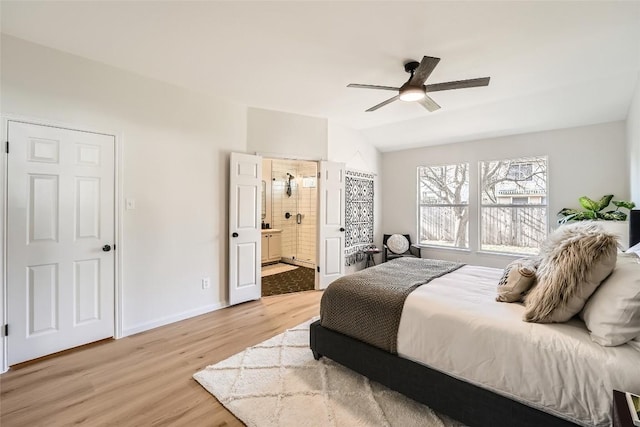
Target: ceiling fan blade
x: 424, y: 70
x: 428, y: 103
x: 458, y: 84
x: 383, y: 103
x: 372, y: 87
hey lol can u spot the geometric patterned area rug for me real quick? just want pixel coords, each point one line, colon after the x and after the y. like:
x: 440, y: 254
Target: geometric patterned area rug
x: 300, y: 279
x: 279, y: 383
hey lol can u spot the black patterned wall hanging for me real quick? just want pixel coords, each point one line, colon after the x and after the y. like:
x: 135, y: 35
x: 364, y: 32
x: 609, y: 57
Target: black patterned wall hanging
x: 358, y: 215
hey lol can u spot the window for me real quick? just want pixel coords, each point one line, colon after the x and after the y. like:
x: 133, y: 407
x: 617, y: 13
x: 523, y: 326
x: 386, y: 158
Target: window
x: 513, y: 210
x: 520, y: 171
x: 443, y: 199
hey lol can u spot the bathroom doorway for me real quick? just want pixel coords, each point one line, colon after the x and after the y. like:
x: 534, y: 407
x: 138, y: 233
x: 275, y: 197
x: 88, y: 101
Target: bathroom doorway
x: 289, y: 231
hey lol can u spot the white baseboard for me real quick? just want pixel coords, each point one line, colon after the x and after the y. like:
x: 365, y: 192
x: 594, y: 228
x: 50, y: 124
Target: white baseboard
x: 173, y: 318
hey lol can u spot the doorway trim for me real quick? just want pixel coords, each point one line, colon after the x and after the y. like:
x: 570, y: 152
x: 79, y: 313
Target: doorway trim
x: 118, y: 213
x: 278, y: 156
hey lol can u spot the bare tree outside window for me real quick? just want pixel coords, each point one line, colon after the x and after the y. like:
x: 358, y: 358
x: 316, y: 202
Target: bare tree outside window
x: 444, y: 205
x: 513, y: 210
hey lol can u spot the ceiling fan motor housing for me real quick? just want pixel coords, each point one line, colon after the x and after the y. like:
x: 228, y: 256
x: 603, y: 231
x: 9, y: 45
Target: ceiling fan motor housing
x: 411, y: 66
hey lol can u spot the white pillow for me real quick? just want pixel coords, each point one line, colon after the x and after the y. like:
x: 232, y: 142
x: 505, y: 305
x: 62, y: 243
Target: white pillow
x: 635, y: 343
x: 612, y: 314
x: 398, y: 244
x: 635, y: 249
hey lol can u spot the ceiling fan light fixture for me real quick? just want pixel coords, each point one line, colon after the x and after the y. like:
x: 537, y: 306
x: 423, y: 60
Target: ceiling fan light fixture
x: 415, y: 90
x: 411, y: 93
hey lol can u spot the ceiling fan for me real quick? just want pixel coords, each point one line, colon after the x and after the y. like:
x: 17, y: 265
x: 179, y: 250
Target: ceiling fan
x: 415, y: 89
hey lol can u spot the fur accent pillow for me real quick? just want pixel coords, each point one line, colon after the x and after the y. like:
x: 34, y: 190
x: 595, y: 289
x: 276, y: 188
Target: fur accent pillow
x: 576, y: 259
x: 612, y: 314
x: 518, y: 277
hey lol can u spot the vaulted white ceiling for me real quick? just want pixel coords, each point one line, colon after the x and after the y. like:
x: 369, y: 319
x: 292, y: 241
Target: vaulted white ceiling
x: 552, y: 64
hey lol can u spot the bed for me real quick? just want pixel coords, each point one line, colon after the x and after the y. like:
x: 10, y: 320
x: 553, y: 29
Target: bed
x: 464, y: 354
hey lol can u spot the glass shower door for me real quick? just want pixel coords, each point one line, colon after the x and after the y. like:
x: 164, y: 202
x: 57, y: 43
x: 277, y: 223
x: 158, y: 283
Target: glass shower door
x: 294, y: 200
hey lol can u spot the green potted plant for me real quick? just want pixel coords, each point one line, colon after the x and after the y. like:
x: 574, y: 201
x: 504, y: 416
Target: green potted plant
x: 593, y: 210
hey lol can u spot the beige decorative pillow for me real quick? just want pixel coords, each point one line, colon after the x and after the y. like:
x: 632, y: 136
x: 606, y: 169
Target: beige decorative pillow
x: 398, y: 244
x: 612, y: 314
x: 518, y: 277
x: 576, y: 259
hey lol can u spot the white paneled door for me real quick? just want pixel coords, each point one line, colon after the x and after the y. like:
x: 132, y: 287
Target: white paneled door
x: 245, y: 186
x: 60, y: 239
x: 331, y: 223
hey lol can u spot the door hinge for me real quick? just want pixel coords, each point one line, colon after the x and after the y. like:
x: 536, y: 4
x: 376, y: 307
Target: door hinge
x: 6, y: 145
x: 114, y: 247
x: 318, y: 267
x: 318, y: 175
x: 6, y: 330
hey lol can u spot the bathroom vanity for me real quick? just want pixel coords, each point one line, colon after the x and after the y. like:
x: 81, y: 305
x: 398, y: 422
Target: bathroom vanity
x: 271, y: 245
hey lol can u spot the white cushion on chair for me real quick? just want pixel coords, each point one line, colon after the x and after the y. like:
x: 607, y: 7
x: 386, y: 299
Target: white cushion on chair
x: 398, y: 244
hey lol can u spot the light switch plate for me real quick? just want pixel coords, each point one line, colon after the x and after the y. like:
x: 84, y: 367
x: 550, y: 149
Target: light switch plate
x: 130, y: 204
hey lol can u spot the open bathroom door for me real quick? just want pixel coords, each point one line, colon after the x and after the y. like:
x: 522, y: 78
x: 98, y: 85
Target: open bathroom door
x: 245, y: 186
x: 331, y: 184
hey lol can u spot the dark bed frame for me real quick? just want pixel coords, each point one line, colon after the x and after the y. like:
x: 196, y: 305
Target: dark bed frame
x: 467, y: 403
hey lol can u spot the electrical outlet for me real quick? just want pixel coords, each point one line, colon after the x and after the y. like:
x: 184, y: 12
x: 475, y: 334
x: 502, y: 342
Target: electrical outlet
x: 206, y: 283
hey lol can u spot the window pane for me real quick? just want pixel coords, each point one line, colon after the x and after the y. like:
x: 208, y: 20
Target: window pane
x: 444, y: 185
x: 513, y: 229
x: 443, y: 194
x: 444, y: 226
x: 513, y: 212
x: 519, y: 181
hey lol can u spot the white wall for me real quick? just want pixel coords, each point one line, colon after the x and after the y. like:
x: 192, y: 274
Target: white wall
x: 584, y: 161
x: 175, y: 147
x: 633, y: 138
x: 349, y: 146
x: 285, y: 135
x: 278, y: 134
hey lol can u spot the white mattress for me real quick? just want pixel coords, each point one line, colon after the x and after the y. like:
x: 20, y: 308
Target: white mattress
x: 454, y: 324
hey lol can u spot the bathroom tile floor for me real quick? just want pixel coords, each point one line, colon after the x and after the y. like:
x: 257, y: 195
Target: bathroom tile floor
x: 271, y: 269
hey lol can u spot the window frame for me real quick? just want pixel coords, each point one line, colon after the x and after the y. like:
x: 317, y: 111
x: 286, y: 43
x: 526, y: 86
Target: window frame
x: 420, y: 205
x: 481, y: 205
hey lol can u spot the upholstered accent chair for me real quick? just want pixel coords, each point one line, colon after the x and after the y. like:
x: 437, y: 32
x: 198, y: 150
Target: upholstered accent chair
x: 389, y: 253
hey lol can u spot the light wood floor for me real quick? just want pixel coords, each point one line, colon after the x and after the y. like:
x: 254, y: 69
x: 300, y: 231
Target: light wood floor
x: 145, y: 379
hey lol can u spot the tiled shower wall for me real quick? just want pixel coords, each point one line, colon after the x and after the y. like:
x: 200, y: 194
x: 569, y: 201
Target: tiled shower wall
x: 298, y: 240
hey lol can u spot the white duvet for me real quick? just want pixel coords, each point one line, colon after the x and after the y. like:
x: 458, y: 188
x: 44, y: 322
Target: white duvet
x: 454, y: 324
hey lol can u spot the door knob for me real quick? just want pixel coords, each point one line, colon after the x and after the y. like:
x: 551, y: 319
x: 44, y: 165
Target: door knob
x: 106, y: 248
x: 341, y: 228
x: 234, y: 235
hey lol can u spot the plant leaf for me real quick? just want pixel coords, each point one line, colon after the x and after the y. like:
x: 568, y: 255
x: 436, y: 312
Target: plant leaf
x: 588, y: 204
x: 624, y: 204
x: 604, y: 201
x: 615, y: 216
x: 568, y: 211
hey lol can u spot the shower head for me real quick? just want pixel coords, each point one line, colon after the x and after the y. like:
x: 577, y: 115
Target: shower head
x: 290, y: 176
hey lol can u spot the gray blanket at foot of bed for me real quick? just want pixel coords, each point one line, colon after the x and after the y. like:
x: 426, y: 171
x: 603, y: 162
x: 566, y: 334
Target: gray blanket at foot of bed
x: 367, y: 305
